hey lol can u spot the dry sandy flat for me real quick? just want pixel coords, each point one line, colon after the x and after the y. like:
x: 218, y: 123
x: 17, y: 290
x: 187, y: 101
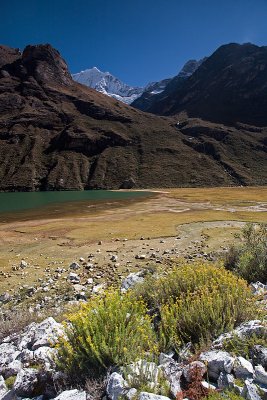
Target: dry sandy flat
x: 169, y: 224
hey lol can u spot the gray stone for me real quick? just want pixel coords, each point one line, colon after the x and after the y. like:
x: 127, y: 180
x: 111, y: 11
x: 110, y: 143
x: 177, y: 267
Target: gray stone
x: 12, y: 369
x: 149, y: 371
x: 190, y: 368
x: 10, y: 395
x: 131, y: 280
x: 73, y: 394
x: 74, y: 278
x: 217, y: 362
x: 45, y: 355
x: 259, y: 355
x: 173, y: 372
x: 131, y: 394
x: 23, y: 264
x: 243, y: 369
x: 74, y: 266
x: 3, y: 387
x: 260, y: 375
x: 151, y: 396
x: 45, y: 333
x: 258, y: 288
x: 225, y: 381
x: 26, y: 382
x: 116, y: 386
x: 245, y: 330
x: 250, y: 391
x: 8, y: 353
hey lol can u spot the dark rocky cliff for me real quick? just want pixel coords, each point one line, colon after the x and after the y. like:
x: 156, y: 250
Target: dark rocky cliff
x: 58, y: 134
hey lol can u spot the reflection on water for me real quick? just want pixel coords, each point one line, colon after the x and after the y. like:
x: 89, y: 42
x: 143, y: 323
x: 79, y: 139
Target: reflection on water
x: 27, y: 205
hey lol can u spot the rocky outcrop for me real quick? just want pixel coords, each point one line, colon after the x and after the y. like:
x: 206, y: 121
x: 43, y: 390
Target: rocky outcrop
x: 229, y: 87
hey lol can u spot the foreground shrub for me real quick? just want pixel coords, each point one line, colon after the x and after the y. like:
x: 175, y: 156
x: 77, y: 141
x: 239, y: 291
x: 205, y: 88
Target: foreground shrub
x: 113, y: 330
x: 197, y: 303
x: 249, y: 260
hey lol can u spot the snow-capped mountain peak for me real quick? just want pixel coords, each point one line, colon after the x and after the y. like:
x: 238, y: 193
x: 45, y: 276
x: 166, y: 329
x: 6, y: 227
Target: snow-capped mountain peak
x: 108, y: 84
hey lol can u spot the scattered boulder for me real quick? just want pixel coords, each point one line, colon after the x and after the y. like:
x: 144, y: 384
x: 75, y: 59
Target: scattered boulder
x: 250, y: 391
x: 73, y: 394
x: 26, y: 383
x: 243, y: 369
x: 74, y: 266
x: 131, y: 280
x: 260, y: 375
x: 225, y: 381
x: 217, y: 362
x: 74, y: 278
x: 245, y: 330
x: 259, y: 355
x: 173, y: 373
x: 3, y: 387
x: 23, y: 264
x: 12, y: 369
x: 45, y: 333
x: 151, y: 396
x: 116, y: 387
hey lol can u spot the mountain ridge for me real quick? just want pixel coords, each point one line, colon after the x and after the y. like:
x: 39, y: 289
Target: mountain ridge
x: 56, y: 134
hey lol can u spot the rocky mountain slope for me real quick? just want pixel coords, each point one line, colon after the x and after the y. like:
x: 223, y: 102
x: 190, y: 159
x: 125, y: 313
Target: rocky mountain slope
x: 58, y: 134
x: 149, y: 97
x: 229, y: 87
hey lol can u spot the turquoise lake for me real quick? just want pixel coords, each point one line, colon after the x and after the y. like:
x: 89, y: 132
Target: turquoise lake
x: 22, y: 201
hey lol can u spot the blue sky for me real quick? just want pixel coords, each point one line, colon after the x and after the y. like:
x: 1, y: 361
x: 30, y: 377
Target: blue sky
x: 136, y: 40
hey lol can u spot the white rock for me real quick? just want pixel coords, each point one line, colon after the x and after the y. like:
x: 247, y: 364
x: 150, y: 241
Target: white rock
x: 45, y: 333
x: 74, y: 278
x: 131, y: 394
x: 245, y: 330
x: 116, y: 386
x: 3, y: 387
x: 8, y: 353
x: 23, y: 264
x: 250, y: 391
x: 151, y: 396
x: 98, y: 288
x: 73, y: 394
x: 217, y: 361
x: 131, y: 280
x: 12, y: 369
x: 172, y: 371
x: 26, y: 382
x: 208, y: 385
x: 260, y: 375
x: 258, y: 288
x: 189, y: 369
x: 46, y: 356
x: 243, y: 369
x: 148, y: 370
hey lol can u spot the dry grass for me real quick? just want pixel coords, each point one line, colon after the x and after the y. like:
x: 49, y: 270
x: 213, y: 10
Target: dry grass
x: 42, y: 241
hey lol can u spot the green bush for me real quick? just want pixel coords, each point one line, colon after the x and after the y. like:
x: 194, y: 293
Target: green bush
x: 113, y: 330
x: 197, y: 303
x: 227, y: 395
x: 249, y: 259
